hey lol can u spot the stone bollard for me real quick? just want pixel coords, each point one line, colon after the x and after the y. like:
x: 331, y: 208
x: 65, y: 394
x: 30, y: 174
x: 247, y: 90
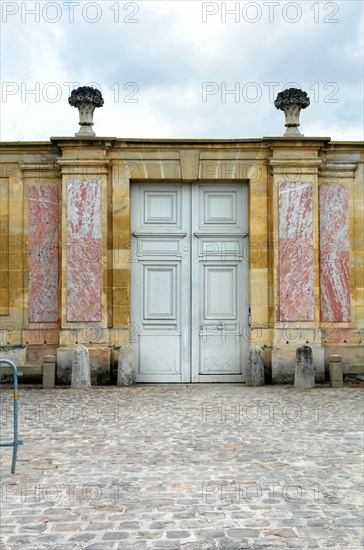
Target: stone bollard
x: 304, y: 376
x: 49, y: 372
x: 255, y: 371
x: 126, y: 366
x: 336, y: 371
x: 81, y: 376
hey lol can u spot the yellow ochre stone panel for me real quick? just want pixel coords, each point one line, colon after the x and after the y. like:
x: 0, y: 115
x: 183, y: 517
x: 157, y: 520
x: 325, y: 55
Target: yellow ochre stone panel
x: 121, y: 277
x: 121, y: 259
x: 121, y: 315
x: 259, y: 287
x: 121, y: 296
x: 4, y: 246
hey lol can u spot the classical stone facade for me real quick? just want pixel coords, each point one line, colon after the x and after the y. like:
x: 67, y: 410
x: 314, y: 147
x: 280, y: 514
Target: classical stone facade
x: 66, y: 251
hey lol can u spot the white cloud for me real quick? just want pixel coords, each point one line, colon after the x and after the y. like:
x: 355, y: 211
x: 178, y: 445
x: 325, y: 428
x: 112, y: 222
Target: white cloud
x: 168, y: 55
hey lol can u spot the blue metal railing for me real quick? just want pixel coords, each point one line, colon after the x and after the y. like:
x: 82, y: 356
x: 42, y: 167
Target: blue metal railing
x: 16, y: 442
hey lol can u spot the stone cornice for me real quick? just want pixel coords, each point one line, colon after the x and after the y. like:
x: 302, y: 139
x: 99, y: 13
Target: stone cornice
x: 37, y: 165
x: 295, y: 162
x: 33, y: 169
x: 295, y: 166
x: 337, y: 170
x: 82, y: 162
x: 84, y: 166
x: 296, y: 141
x: 82, y: 141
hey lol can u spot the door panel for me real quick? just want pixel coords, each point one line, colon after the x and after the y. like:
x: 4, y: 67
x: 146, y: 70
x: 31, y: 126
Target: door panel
x: 189, y: 282
x: 160, y: 282
x: 220, y: 292
x: 160, y: 299
x: 217, y: 208
x: 160, y: 356
x: 220, y: 283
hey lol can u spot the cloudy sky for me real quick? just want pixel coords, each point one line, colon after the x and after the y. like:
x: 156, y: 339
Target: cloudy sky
x: 184, y: 69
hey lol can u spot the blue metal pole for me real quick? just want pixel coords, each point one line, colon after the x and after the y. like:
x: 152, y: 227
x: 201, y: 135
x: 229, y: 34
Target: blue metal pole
x: 16, y: 442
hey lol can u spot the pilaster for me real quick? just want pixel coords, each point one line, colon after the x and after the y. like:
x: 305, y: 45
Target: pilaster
x: 295, y: 253
x: 84, y: 225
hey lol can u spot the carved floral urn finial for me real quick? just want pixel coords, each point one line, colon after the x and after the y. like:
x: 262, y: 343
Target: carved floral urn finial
x: 86, y: 99
x: 291, y: 101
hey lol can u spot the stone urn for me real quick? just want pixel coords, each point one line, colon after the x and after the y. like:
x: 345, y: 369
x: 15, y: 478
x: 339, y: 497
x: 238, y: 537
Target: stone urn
x: 86, y: 99
x: 291, y: 101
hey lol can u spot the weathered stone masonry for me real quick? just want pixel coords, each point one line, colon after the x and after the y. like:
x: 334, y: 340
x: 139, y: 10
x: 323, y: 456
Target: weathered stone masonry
x: 65, y: 243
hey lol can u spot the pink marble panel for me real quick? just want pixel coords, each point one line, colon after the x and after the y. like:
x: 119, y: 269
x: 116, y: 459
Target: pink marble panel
x: 334, y: 253
x: 84, y: 209
x: 43, y: 253
x: 84, y: 258
x: 296, y: 290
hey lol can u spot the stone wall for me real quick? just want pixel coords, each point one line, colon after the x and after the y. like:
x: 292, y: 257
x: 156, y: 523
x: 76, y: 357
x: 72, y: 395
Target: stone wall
x: 65, y: 243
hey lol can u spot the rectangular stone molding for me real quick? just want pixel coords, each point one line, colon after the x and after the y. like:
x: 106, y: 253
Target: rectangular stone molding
x: 334, y: 253
x: 296, y: 269
x: 43, y: 253
x: 4, y: 246
x: 84, y: 258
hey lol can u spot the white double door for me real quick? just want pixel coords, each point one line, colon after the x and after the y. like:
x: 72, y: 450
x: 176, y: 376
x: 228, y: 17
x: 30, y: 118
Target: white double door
x: 189, y: 282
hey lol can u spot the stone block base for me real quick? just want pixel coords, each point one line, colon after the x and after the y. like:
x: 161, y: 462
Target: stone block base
x: 352, y: 354
x: 284, y: 363
x: 35, y: 355
x: 17, y: 355
x: 99, y: 363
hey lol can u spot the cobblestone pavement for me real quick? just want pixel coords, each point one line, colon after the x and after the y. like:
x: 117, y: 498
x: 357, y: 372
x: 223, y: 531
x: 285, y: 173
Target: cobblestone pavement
x: 192, y: 467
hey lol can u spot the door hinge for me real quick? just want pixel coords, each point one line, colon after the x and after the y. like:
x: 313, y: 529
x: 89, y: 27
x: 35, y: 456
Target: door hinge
x: 249, y: 317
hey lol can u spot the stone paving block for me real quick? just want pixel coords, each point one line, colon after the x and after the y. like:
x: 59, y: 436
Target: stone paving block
x: 67, y: 527
x: 243, y: 533
x: 149, y: 535
x: 302, y: 543
x: 137, y: 466
x: 229, y: 544
x: 210, y: 533
x: 167, y: 545
x: 101, y: 546
x: 84, y: 537
x: 130, y: 525
x: 178, y: 534
x: 201, y: 545
x: 121, y: 535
